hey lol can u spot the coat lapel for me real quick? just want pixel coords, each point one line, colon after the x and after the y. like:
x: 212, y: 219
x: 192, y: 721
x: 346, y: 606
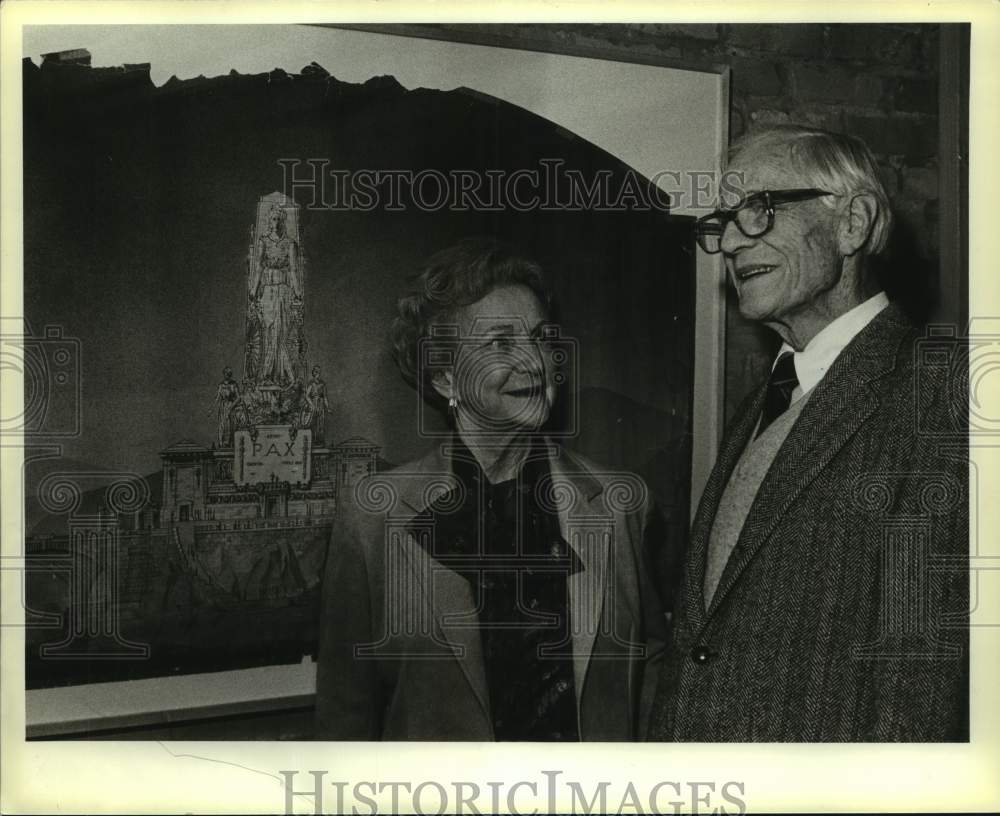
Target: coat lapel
x: 574, y: 495
x: 455, y: 618
x: 840, y: 405
x: 736, y: 439
x: 574, y: 491
x: 454, y: 608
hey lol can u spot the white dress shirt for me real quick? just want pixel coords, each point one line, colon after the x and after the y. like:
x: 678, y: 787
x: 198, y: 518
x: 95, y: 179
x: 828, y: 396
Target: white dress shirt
x: 812, y: 362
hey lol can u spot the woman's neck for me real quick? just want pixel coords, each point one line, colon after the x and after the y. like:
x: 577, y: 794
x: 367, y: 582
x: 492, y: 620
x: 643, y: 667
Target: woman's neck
x: 500, y: 458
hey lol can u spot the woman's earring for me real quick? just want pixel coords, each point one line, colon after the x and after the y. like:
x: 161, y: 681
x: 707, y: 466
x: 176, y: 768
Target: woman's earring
x: 452, y: 407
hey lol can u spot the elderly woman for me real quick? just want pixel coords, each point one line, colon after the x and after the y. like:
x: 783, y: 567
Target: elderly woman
x: 499, y: 588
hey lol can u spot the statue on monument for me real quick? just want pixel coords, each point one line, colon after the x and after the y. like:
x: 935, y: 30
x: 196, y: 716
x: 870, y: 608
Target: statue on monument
x: 289, y: 400
x: 247, y: 410
x: 316, y: 406
x: 275, y: 352
x: 227, y: 397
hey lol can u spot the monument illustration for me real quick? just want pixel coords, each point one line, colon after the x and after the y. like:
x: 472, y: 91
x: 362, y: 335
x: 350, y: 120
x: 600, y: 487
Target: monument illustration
x: 234, y: 531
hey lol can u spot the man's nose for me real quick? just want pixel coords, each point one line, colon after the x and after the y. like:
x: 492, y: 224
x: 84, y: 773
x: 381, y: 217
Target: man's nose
x: 733, y: 239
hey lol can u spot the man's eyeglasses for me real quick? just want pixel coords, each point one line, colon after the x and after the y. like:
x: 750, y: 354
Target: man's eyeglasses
x: 754, y: 216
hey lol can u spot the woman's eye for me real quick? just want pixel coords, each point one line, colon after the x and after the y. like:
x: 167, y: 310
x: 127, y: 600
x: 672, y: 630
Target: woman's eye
x: 499, y: 343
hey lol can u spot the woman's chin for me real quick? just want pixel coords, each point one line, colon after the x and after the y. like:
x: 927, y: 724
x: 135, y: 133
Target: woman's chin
x: 524, y: 422
x: 530, y: 421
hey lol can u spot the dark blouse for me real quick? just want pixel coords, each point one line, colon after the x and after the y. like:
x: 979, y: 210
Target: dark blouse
x: 517, y: 570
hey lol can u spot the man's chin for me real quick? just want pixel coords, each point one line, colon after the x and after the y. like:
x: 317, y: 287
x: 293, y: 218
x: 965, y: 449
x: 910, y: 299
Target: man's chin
x: 754, y: 305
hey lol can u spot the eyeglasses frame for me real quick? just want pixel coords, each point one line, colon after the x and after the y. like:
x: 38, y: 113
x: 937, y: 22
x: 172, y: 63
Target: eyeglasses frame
x: 771, y: 199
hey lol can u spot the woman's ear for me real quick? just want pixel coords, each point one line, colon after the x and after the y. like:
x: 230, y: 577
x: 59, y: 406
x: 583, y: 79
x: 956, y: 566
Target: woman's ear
x: 857, y: 223
x: 444, y: 384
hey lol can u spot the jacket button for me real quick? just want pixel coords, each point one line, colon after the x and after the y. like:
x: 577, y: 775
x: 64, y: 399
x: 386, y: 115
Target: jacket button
x: 701, y: 655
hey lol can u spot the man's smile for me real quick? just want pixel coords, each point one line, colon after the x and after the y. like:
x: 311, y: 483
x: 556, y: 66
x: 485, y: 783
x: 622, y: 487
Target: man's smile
x: 748, y: 271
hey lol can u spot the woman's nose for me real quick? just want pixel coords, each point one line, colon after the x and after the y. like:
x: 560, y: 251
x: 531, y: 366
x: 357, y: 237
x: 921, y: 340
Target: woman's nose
x: 532, y: 358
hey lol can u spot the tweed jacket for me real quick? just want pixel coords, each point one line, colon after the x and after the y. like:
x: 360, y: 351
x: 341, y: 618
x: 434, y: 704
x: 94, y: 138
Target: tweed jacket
x: 841, y: 614
x: 400, y: 656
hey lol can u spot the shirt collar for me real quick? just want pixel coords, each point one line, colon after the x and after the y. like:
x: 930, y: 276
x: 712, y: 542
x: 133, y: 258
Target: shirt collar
x: 812, y: 362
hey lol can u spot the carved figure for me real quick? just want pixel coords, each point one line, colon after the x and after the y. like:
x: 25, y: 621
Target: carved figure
x: 315, y: 408
x: 274, y: 308
x: 226, y: 398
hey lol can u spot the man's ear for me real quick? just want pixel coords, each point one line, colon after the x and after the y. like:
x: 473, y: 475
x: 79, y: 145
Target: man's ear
x: 857, y: 223
x: 444, y: 384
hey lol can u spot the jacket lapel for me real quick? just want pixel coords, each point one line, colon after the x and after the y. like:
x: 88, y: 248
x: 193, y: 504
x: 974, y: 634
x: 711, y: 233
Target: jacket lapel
x: 575, y: 495
x: 454, y: 607
x: 574, y: 492
x: 736, y: 439
x: 840, y: 405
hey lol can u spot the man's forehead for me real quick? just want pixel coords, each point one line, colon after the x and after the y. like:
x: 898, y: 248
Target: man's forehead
x: 766, y: 169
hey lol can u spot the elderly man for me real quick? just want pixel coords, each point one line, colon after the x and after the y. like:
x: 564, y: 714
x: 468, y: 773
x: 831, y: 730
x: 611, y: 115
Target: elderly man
x: 825, y: 591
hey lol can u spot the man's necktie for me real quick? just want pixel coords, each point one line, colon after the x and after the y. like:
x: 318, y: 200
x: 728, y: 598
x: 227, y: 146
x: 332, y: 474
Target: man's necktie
x: 779, y: 390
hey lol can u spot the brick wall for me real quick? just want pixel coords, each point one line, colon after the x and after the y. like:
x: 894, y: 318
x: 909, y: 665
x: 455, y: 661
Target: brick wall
x: 878, y: 81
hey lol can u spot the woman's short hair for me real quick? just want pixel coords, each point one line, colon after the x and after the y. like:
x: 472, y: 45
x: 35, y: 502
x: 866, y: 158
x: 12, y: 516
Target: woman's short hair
x: 835, y: 162
x: 448, y: 281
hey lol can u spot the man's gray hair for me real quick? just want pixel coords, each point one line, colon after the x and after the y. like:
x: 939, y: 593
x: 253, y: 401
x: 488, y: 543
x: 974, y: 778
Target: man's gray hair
x: 830, y: 161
